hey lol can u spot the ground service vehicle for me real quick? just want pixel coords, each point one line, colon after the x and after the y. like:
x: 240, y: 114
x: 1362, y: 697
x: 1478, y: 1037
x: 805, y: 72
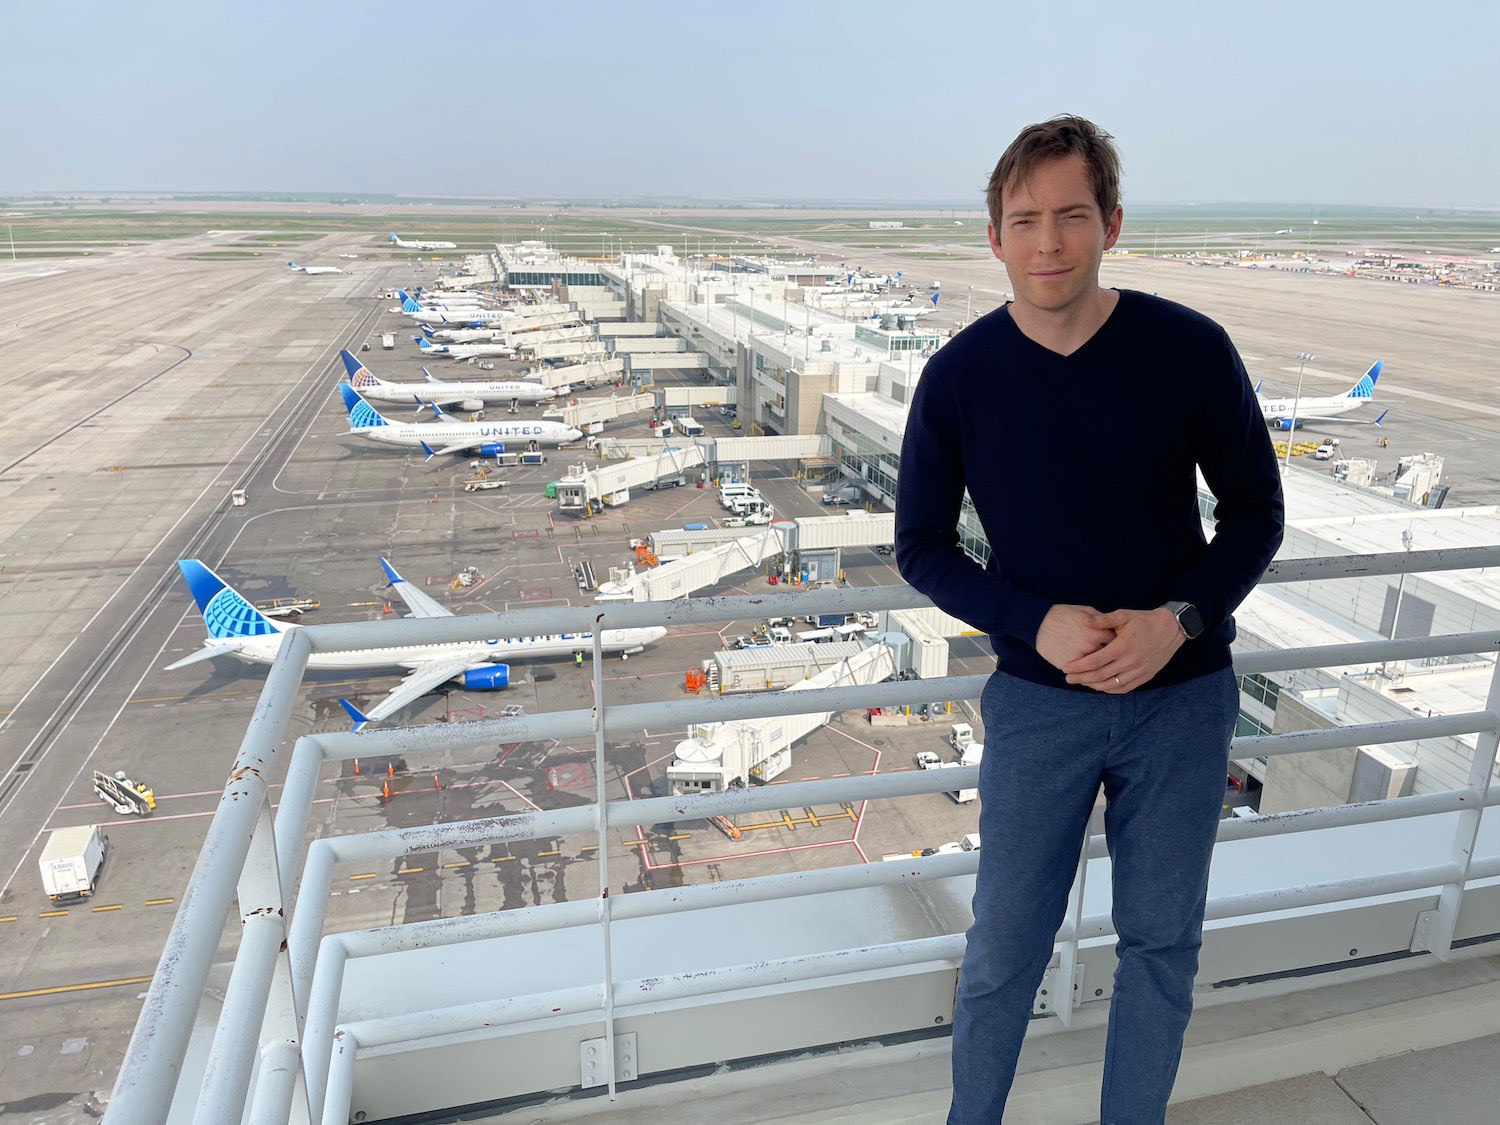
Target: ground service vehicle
x: 71, y: 862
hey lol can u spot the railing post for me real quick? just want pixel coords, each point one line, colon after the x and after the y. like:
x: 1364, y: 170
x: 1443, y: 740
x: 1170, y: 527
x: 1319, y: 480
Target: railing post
x: 1435, y: 928
x: 601, y: 808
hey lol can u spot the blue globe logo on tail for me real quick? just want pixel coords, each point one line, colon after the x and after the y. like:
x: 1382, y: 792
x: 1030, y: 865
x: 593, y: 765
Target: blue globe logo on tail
x: 361, y: 414
x: 225, y: 612
x: 1365, y: 388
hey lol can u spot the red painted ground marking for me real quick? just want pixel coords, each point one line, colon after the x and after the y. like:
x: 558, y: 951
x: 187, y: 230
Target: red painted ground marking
x: 525, y: 533
x: 567, y: 776
x: 534, y: 593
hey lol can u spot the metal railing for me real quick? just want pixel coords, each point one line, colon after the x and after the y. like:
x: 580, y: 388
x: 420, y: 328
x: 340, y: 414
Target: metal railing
x: 282, y: 999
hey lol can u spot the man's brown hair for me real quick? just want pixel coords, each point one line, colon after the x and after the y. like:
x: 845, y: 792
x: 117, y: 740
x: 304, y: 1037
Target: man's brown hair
x: 1063, y: 135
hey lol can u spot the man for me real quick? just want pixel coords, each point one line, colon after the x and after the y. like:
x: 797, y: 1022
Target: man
x: 1109, y: 612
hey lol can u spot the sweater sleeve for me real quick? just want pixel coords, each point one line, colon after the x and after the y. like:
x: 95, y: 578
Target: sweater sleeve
x: 929, y: 498
x: 1233, y: 450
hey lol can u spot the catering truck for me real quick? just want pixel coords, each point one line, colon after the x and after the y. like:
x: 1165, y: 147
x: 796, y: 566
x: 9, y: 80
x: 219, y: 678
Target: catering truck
x: 71, y: 862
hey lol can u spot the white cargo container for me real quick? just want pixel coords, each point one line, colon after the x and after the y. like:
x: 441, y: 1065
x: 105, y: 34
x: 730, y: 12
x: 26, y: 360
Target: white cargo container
x: 388, y: 340
x: 71, y: 861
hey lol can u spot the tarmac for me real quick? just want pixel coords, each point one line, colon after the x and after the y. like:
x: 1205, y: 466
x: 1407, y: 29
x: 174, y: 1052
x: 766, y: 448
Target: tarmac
x: 149, y: 386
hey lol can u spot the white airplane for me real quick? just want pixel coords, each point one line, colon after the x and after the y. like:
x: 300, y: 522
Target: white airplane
x: 451, y: 436
x: 236, y: 628
x: 463, y: 351
x: 422, y: 245
x: 460, y: 314
x: 872, y: 281
x: 468, y: 396
x: 1278, y: 411
x: 312, y: 270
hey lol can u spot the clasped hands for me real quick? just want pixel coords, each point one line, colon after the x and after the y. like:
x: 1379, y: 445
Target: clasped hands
x: 1109, y: 652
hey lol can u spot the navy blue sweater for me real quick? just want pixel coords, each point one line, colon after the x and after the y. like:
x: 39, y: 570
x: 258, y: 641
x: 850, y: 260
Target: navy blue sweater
x: 1080, y: 468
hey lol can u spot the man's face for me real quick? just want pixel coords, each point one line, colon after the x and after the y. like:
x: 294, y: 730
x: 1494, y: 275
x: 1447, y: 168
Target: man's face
x: 1052, y: 236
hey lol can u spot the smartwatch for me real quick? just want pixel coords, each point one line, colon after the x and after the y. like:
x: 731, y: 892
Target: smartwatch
x: 1189, y: 620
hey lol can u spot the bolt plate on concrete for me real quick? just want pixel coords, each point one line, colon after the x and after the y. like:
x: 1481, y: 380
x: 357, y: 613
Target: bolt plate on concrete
x: 591, y: 1061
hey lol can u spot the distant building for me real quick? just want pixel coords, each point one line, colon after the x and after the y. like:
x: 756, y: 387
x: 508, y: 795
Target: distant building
x: 886, y: 224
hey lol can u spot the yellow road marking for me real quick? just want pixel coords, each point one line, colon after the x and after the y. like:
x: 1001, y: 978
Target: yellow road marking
x: 10, y: 918
x: 371, y: 875
x: 502, y: 858
x: 464, y: 863
x: 112, y: 906
x: 683, y: 836
x: 159, y: 901
x: 589, y: 848
x: 410, y: 870
x: 548, y: 853
x: 51, y: 913
x: 72, y: 988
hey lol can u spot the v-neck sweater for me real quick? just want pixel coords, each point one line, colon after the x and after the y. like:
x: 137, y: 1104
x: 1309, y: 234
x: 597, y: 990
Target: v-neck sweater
x: 1080, y: 468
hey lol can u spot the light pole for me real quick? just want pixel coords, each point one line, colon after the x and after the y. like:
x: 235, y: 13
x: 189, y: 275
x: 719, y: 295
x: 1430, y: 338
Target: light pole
x: 1303, y: 359
x: 969, y: 307
x: 12, y: 232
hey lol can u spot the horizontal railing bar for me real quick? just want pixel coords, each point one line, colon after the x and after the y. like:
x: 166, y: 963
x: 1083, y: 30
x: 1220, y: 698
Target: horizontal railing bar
x: 674, y: 986
x: 394, y: 842
x: 1323, y: 567
x: 1292, y: 898
x: 649, y: 904
x: 677, y: 713
x: 344, y: 636
x: 1362, y: 734
x: 625, y: 718
x: 1365, y: 652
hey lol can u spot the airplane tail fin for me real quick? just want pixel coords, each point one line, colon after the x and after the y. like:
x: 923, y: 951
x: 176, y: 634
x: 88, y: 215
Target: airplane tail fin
x: 359, y: 374
x: 1365, y: 388
x: 1381, y: 419
x: 427, y: 330
x: 295, y: 266
x: 225, y: 611
x: 354, y: 713
x: 362, y: 415
x: 428, y: 375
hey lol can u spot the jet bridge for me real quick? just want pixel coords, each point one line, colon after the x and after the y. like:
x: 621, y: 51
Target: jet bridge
x: 717, y: 756
x: 581, y: 374
x: 701, y: 569
x: 582, y: 412
x: 584, y: 491
x: 582, y: 351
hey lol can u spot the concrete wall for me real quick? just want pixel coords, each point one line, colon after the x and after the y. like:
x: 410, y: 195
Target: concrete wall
x: 1305, y: 781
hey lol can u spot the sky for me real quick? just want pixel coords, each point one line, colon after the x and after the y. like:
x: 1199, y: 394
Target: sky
x: 1337, y: 103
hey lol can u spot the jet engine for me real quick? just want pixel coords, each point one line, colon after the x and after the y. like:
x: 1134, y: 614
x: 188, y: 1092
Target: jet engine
x: 471, y: 405
x: 487, y: 677
x: 491, y: 448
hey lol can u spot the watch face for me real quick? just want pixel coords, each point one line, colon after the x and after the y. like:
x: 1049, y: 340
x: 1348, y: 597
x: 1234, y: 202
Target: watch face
x: 1192, y: 621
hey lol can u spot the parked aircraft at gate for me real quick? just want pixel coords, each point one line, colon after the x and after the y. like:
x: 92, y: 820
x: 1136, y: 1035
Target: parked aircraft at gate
x: 236, y: 628
x: 450, y: 435
x: 1328, y: 408
x: 434, y: 391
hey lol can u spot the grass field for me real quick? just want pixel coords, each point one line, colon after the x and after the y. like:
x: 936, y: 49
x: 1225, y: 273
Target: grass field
x: 721, y: 231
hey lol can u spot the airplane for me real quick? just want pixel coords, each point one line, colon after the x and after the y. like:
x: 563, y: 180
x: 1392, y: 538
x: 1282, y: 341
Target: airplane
x: 484, y: 438
x: 466, y: 314
x: 875, y: 281
x: 1278, y: 411
x: 463, y: 351
x: 422, y: 245
x: 469, y: 396
x: 1283, y: 230
x: 312, y: 270
x: 354, y: 256
x: 236, y: 628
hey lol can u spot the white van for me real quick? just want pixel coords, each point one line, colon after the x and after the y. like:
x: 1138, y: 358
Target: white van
x: 729, y: 493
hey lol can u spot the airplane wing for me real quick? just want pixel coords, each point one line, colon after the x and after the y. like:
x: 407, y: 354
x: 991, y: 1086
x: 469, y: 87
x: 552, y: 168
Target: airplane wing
x: 1344, y: 419
x: 417, y: 683
x: 419, y: 603
x: 459, y: 447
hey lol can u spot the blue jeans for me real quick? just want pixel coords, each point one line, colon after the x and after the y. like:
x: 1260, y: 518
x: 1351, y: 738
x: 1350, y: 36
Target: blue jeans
x: 1162, y: 756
